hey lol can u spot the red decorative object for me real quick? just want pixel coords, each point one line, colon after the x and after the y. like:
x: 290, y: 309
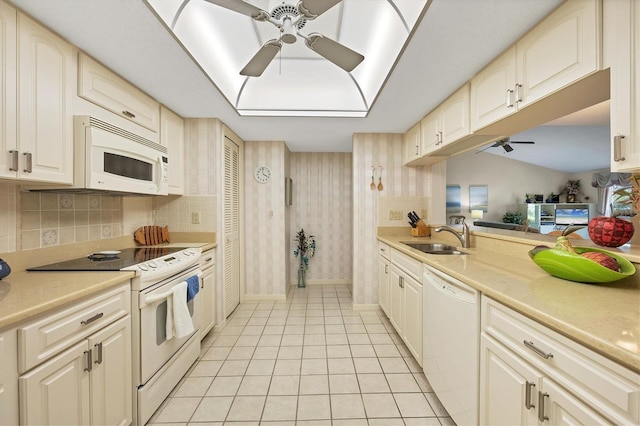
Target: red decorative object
x: 610, y: 231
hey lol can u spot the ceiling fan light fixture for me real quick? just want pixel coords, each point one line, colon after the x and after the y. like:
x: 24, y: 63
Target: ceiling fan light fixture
x: 288, y: 31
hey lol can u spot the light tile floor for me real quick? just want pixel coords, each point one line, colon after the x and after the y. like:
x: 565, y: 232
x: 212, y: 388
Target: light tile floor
x: 310, y: 360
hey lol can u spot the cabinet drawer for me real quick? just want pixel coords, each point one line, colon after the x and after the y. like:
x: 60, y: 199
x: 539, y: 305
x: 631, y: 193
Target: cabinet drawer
x: 43, y: 338
x: 407, y: 264
x: 605, y: 385
x: 208, y: 259
x: 384, y: 250
x: 103, y: 87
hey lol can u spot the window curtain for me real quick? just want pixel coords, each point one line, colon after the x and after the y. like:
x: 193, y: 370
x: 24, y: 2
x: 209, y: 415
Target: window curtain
x: 604, y: 182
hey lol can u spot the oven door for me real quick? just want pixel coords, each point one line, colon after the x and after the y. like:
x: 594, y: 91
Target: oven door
x: 155, y: 349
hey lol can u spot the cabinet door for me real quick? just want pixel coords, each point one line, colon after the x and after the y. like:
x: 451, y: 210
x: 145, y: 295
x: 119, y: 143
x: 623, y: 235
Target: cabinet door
x: 430, y: 132
x: 562, y: 408
x: 172, y: 136
x: 560, y: 50
x: 396, y: 315
x: 492, y: 91
x: 111, y: 382
x: 8, y: 377
x: 383, y: 284
x: 454, y: 116
x: 47, y: 66
x: 413, y: 317
x: 412, y: 144
x: 508, y: 386
x: 208, y: 297
x: 8, y: 92
x: 105, y: 88
x: 57, y: 392
x: 622, y: 41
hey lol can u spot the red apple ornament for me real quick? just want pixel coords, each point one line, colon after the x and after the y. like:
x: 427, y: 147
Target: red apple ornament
x: 610, y: 231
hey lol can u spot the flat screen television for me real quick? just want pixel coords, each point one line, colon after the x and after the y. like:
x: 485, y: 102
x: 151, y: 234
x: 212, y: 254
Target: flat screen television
x: 572, y: 216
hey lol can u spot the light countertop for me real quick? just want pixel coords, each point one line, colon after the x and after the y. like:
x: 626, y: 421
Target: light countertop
x: 603, y: 317
x: 27, y: 294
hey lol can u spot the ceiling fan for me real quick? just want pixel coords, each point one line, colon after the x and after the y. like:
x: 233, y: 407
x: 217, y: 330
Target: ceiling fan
x: 289, y: 20
x: 505, y: 143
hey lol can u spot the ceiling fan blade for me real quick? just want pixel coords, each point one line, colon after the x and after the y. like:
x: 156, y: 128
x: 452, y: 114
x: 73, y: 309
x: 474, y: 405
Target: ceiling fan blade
x: 507, y: 147
x: 528, y: 142
x: 311, y: 9
x: 261, y: 59
x: 335, y: 52
x: 243, y: 8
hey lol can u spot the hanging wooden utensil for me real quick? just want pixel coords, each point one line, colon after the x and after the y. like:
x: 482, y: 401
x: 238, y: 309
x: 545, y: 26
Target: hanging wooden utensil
x: 373, y: 184
x: 380, y: 186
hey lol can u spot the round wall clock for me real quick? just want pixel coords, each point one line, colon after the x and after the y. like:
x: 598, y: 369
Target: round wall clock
x: 263, y: 174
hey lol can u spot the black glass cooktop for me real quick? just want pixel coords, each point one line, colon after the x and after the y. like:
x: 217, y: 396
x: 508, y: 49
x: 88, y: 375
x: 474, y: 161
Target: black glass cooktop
x: 109, y: 262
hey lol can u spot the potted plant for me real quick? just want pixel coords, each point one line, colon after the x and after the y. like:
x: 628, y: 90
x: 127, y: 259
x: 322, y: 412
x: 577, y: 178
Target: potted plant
x: 572, y: 189
x: 305, y: 250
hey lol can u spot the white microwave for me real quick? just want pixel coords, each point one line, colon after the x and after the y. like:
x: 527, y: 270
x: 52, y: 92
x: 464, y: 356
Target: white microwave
x: 108, y: 158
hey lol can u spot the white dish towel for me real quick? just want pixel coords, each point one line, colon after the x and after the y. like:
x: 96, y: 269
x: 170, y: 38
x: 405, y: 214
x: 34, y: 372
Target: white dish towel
x: 179, y: 322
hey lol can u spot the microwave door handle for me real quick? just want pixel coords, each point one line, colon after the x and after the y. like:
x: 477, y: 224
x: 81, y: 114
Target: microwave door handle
x: 163, y: 173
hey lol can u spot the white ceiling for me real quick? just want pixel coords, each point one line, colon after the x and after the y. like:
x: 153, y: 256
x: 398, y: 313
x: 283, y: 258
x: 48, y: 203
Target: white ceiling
x: 454, y: 40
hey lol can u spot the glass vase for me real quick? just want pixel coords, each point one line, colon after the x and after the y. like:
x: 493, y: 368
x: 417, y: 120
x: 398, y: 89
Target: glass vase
x: 302, y: 277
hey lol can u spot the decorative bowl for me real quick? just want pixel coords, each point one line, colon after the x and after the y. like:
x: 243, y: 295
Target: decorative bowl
x: 610, y: 231
x: 572, y: 267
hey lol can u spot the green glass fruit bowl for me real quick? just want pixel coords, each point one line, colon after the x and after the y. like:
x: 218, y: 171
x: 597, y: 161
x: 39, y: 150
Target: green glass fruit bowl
x: 573, y: 267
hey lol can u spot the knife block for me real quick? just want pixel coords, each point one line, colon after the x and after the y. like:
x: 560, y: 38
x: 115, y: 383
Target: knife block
x: 421, y: 230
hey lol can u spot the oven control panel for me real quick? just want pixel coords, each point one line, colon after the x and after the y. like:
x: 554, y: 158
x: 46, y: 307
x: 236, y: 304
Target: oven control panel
x: 167, y: 265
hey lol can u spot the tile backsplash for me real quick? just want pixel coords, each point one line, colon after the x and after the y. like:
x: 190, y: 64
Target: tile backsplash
x: 178, y: 213
x: 51, y: 219
x: 8, y: 217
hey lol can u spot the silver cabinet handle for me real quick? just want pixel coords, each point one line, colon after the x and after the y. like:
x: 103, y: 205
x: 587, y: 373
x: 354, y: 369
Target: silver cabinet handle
x: 98, y: 346
x: 527, y: 395
x: 617, y: 147
x: 518, y: 94
x: 386, y: 269
x: 440, y: 138
x: 14, y: 160
x: 128, y: 114
x: 541, y: 416
x: 89, y: 366
x: 401, y: 282
x: 417, y: 150
x: 509, y: 98
x: 529, y: 344
x: 28, y: 168
x: 92, y: 319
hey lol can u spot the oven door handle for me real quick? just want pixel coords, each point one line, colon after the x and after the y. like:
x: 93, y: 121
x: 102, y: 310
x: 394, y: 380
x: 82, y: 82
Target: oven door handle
x: 154, y: 298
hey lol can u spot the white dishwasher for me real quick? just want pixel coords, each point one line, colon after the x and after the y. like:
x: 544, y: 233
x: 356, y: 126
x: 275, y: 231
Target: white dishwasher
x: 451, y: 330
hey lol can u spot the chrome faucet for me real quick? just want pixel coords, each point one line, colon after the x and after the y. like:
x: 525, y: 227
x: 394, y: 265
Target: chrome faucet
x: 463, y: 237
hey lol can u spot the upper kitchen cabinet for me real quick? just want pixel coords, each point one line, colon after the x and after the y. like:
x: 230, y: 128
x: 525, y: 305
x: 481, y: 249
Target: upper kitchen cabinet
x: 621, y: 44
x: 411, y: 141
x: 8, y: 91
x: 560, y: 50
x: 172, y: 136
x: 103, y: 87
x: 37, y: 144
x: 447, y: 123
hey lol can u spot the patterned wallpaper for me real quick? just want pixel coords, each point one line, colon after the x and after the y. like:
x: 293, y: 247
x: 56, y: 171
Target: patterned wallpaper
x: 266, y: 257
x: 398, y: 181
x: 323, y: 206
x: 201, y: 136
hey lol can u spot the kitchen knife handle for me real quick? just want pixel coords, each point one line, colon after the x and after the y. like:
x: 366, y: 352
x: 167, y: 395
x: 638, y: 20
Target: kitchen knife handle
x: 617, y: 148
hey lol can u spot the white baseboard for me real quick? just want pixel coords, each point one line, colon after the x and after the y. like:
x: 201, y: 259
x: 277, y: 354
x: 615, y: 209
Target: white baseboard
x: 366, y: 307
x: 264, y: 297
x: 323, y: 282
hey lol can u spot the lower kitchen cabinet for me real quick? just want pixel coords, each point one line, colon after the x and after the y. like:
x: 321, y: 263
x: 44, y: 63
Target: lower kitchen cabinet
x: 8, y: 378
x: 406, y: 301
x: 208, y: 292
x: 383, y: 278
x: 89, y: 383
x: 532, y: 375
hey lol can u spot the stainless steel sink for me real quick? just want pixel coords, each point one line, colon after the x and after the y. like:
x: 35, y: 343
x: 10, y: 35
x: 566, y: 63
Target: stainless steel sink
x: 435, y: 248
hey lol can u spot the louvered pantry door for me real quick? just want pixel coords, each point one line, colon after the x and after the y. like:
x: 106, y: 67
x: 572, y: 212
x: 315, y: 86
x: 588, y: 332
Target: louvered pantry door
x: 231, y: 226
